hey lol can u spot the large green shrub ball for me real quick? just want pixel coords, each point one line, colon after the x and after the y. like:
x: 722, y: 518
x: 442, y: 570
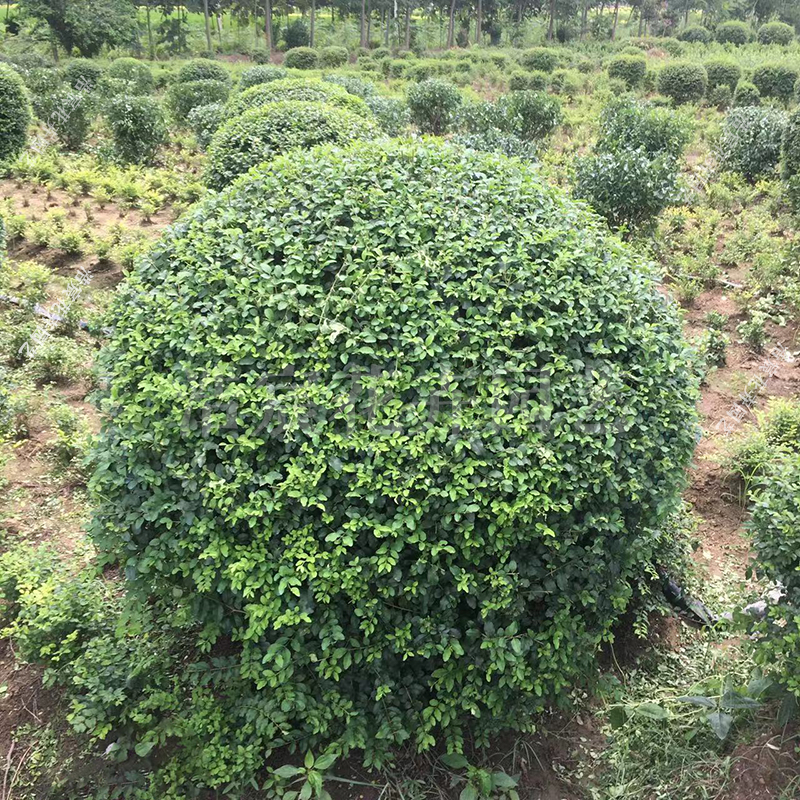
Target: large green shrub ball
x: 399, y: 423
x: 263, y: 73
x: 205, y: 121
x: 352, y: 85
x: 137, y: 126
x: 15, y: 113
x: 183, y: 97
x: 775, y: 33
x: 776, y: 80
x: 790, y: 147
x: 333, y: 56
x: 83, y: 74
x: 302, y: 90
x: 734, y: 32
x: 683, y: 81
x: 133, y: 72
x: 630, y: 69
x: 71, y: 127
x: 300, y: 58
x: 746, y: 94
x: 722, y: 72
x: 434, y: 104
x: 541, y: 58
x: 750, y: 143
x: 267, y: 131
x: 203, y: 69
x: 695, y: 33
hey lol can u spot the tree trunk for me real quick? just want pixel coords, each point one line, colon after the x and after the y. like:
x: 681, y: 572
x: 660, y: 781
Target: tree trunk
x: 268, y: 24
x: 363, y: 41
x: 451, y: 25
x: 312, y: 22
x: 219, y: 28
x: 151, y: 47
x: 207, y: 20
x: 616, y: 17
x: 552, y: 24
x: 407, y: 42
x: 369, y: 21
x: 584, y: 19
x: 387, y: 19
x: 641, y: 18
x: 479, y: 23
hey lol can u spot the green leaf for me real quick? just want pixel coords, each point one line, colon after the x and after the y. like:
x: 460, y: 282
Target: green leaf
x: 454, y: 761
x: 143, y: 748
x: 698, y: 700
x: 651, y: 711
x: 287, y: 771
x: 469, y: 792
x: 720, y: 723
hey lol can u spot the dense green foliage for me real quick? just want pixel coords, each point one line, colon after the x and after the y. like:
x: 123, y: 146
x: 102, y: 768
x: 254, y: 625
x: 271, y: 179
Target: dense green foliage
x: 398, y: 426
x: 391, y: 114
x: 263, y: 73
x: 15, y: 113
x: 137, y: 127
x: 683, y: 81
x: 750, y: 143
x: 301, y: 58
x: 183, y: 97
x: 628, y: 187
x: 83, y: 74
x: 722, y: 72
x: 297, y: 89
x: 206, y: 120
x: 775, y: 33
x: 628, y: 123
x: 775, y: 527
x: 69, y: 112
x: 695, y: 33
x: 790, y: 147
x: 134, y: 73
x: 203, y: 69
x: 776, y: 80
x: 539, y: 58
x: 333, y: 56
x: 630, y: 69
x: 357, y: 86
x: 746, y: 94
x: 264, y: 132
x: 434, y: 104
x: 734, y: 32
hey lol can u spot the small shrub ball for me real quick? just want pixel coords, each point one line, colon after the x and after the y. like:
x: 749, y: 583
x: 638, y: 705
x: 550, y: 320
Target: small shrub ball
x: 267, y: 131
x: 297, y: 89
x: 15, y: 114
x: 399, y: 423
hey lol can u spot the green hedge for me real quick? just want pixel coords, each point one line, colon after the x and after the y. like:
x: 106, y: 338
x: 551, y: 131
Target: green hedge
x: 434, y: 104
x: 683, y: 81
x: 734, y: 32
x: 183, y: 97
x: 301, y: 58
x: 297, y: 89
x: 630, y: 69
x: 542, y: 58
x: 695, y: 33
x: 264, y: 132
x: 750, y: 143
x: 722, y: 72
x: 134, y: 73
x: 790, y: 147
x: 775, y: 33
x: 333, y: 56
x: 263, y: 73
x: 746, y: 94
x: 350, y: 426
x: 137, y: 126
x: 203, y: 69
x: 83, y: 74
x: 15, y: 114
x: 776, y: 80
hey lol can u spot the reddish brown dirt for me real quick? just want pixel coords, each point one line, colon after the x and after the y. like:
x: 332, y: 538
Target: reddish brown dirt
x: 766, y: 769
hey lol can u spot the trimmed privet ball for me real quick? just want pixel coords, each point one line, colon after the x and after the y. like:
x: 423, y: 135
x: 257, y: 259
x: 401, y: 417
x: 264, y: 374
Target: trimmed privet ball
x: 720, y: 96
x: 400, y: 424
x: 683, y: 81
x: 734, y: 32
x: 746, y: 94
x: 300, y: 58
x: 775, y: 33
x: 262, y: 133
x: 352, y: 85
x: 15, y: 113
x: 183, y: 97
x: 750, y: 143
x: 775, y: 528
x: 434, y: 104
x: 203, y: 69
x: 630, y: 69
x: 695, y: 33
x: 333, y: 56
x: 83, y: 74
x: 390, y: 113
x: 722, y: 72
x: 297, y: 89
x: 134, y: 73
x: 540, y: 58
x: 69, y: 112
x: 790, y: 147
x: 263, y: 73
x: 776, y: 80
x: 137, y: 127
x: 204, y: 121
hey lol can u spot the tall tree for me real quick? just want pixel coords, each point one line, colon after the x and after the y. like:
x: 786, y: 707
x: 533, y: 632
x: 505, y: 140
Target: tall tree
x: 364, y: 41
x: 268, y: 25
x: 85, y: 25
x: 312, y: 22
x: 479, y: 23
x: 407, y: 36
x: 616, y: 19
x: 207, y: 19
x: 451, y: 25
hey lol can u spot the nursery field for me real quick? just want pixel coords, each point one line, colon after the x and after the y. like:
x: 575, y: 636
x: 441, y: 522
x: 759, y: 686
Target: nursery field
x: 396, y: 423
